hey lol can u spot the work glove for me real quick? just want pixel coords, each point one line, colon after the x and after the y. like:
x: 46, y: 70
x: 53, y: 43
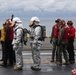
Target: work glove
x: 35, y: 41
x: 15, y: 47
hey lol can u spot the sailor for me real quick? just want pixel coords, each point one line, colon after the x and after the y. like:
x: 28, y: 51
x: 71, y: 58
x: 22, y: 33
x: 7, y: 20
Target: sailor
x: 36, y: 43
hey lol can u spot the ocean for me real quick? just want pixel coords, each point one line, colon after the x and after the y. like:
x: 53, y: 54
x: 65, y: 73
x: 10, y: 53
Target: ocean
x: 47, y: 23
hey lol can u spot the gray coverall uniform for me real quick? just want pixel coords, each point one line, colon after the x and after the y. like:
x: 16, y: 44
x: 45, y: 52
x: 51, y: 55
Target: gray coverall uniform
x: 36, y: 45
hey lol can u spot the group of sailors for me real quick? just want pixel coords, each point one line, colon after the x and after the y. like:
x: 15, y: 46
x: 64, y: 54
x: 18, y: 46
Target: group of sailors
x: 62, y: 39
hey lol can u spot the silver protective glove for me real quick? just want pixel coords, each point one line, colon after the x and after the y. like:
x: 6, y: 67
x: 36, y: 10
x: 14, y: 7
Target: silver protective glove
x: 15, y: 47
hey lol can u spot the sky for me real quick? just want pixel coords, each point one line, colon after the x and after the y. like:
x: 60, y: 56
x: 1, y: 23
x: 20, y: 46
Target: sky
x: 44, y: 9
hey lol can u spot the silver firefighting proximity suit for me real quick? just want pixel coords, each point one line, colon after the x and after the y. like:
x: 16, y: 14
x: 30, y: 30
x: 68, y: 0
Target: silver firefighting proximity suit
x: 17, y: 44
x: 36, y: 45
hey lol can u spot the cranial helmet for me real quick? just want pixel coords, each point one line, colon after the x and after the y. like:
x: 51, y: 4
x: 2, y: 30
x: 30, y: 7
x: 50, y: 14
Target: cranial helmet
x: 16, y: 19
x: 35, y: 19
x: 69, y: 22
x: 57, y: 20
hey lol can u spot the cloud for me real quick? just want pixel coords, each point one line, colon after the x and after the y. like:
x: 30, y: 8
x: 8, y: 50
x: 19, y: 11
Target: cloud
x: 38, y: 5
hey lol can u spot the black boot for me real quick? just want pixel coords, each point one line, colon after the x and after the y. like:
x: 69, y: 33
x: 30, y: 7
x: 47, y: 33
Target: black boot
x: 33, y: 68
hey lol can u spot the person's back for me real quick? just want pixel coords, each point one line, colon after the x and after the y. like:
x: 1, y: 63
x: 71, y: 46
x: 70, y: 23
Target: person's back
x: 63, y: 34
x: 9, y: 34
x: 8, y: 52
